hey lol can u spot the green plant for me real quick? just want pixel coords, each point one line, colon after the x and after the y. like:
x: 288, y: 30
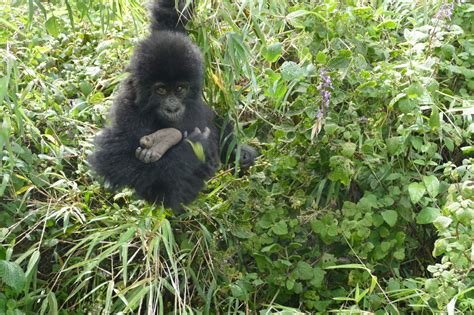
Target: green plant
x: 361, y: 201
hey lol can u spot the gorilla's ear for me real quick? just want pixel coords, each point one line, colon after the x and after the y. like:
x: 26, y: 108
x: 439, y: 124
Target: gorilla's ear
x: 131, y: 92
x: 139, y: 93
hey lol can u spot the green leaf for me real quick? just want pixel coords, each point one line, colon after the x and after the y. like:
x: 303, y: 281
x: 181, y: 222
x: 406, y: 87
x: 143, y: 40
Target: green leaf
x: 272, y: 52
x: 12, y: 275
x: 318, y: 277
x: 53, y: 26
x: 415, y: 90
x: 389, y: 24
x: 432, y: 185
x: 442, y: 222
x: 390, y: 216
x: 435, y: 121
x: 52, y: 303
x: 449, y: 144
x: 341, y: 169
x: 321, y: 57
x: 416, y: 191
x: 305, y: 271
x: 280, y: 228
x: 290, y: 70
x: 238, y: 291
x: 393, y: 144
x: 427, y: 215
x: 348, y: 149
x: 198, y: 150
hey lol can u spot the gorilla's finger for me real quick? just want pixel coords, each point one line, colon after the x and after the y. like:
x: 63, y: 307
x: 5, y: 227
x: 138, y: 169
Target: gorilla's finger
x: 138, y: 152
x: 206, y: 132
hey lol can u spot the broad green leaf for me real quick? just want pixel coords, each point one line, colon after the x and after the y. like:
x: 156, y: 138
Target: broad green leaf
x: 415, y: 90
x: 321, y: 57
x: 272, y: 52
x: 416, y: 191
x: 348, y: 149
x: 442, y: 222
x: 342, y: 169
x: 432, y: 185
x: 305, y: 271
x: 389, y: 24
x: 390, y: 216
x: 427, y: 215
x: 407, y: 106
x: 414, y: 36
x: 280, y: 228
x: 318, y: 277
x: 449, y: 144
x: 393, y: 144
x: 53, y: 26
x: 238, y: 291
x: 290, y: 70
x: 12, y: 275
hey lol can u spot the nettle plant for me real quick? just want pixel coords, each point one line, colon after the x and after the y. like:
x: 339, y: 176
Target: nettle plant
x: 452, y: 278
x: 361, y: 179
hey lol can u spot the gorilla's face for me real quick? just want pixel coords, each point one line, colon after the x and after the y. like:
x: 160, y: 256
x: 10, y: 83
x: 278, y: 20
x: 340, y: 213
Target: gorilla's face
x: 168, y: 100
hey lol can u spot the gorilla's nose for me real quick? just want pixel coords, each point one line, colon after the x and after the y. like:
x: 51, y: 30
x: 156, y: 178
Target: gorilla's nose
x: 172, y: 110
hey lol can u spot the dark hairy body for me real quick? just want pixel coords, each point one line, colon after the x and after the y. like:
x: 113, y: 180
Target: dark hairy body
x: 163, y: 90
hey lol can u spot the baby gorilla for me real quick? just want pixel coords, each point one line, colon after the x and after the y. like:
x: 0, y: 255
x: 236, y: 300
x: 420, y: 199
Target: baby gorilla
x: 158, y: 117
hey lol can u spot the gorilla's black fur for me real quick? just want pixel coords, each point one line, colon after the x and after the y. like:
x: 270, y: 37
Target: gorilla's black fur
x: 164, y: 62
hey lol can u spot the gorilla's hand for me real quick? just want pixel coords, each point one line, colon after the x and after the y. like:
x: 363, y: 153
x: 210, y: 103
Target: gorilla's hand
x: 198, y: 136
x: 199, y: 141
x: 247, y: 157
x: 155, y: 145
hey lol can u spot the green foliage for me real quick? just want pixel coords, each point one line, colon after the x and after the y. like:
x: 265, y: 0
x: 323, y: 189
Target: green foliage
x: 362, y: 199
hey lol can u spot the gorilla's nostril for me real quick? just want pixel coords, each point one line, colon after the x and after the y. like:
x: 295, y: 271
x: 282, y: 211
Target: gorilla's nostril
x: 172, y: 110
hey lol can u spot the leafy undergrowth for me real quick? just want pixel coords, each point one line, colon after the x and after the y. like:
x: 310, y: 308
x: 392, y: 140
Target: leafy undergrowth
x: 362, y: 198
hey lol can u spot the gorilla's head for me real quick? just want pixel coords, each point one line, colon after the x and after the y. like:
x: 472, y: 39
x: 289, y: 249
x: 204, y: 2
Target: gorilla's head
x: 167, y: 71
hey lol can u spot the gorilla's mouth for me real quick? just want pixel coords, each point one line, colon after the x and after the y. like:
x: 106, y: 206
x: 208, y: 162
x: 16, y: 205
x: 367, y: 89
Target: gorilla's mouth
x: 172, y: 115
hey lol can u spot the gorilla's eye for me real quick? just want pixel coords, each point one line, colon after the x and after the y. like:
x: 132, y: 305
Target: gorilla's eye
x: 161, y: 90
x: 180, y: 88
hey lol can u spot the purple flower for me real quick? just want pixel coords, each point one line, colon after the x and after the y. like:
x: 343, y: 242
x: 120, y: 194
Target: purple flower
x: 323, y: 88
x: 445, y: 11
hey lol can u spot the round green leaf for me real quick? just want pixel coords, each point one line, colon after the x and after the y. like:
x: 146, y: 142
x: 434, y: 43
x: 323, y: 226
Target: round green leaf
x: 432, y: 185
x: 390, y: 216
x: 53, y: 26
x: 280, y: 228
x: 427, y: 215
x: 416, y: 191
x: 305, y: 271
x: 272, y: 52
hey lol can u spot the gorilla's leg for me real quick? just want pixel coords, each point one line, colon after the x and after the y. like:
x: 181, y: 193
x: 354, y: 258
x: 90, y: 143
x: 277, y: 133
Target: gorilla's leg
x: 155, y: 145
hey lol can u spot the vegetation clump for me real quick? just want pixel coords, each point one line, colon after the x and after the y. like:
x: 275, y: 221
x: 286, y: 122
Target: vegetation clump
x: 362, y: 199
